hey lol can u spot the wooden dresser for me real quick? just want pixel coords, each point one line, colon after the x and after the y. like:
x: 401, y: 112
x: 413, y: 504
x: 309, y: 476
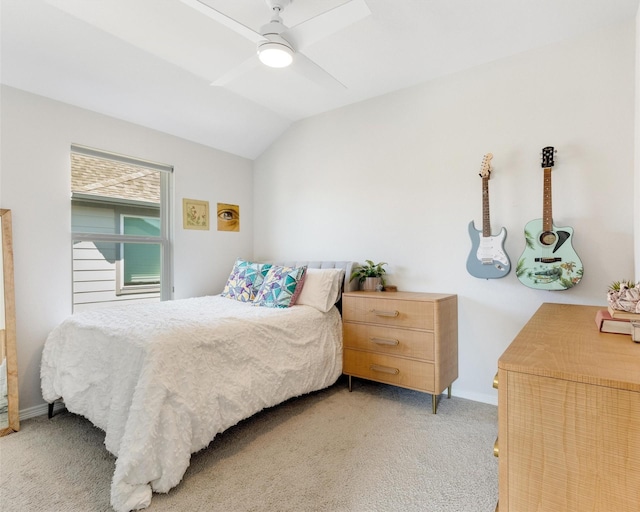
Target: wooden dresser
x: 402, y: 338
x: 569, y: 416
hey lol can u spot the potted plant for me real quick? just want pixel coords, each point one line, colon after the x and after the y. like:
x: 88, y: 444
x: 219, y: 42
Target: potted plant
x: 624, y: 296
x: 370, y: 275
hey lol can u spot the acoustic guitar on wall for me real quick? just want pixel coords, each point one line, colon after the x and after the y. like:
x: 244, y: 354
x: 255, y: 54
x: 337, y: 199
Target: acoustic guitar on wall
x: 549, y: 261
x: 487, y: 259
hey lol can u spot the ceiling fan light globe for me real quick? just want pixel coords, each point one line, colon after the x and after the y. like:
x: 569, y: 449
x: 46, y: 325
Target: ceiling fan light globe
x: 275, y: 55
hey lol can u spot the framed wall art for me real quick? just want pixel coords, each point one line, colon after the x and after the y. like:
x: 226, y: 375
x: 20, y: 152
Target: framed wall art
x: 195, y: 214
x: 228, y: 217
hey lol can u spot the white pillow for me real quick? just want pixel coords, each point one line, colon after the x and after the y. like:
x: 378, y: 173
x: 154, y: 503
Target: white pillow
x: 322, y: 288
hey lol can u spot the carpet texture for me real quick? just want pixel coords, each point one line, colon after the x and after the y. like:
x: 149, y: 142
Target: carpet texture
x: 378, y: 448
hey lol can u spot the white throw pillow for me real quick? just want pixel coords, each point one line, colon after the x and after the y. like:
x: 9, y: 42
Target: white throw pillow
x: 322, y: 288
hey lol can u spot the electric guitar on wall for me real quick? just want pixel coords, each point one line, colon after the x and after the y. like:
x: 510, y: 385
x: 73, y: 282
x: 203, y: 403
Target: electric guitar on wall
x: 549, y: 261
x: 487, y: 259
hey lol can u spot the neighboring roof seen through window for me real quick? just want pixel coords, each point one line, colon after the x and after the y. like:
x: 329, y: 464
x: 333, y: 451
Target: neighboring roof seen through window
x: 109, y: 178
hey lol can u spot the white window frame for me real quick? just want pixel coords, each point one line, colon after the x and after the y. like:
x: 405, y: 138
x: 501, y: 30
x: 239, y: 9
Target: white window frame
x: 166, y: 216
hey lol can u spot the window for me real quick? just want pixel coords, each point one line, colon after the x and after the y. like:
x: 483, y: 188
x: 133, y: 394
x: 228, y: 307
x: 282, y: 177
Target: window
x: 120, y: 229
x: 138, y: 269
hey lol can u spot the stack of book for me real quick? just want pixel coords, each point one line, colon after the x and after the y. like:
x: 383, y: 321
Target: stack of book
x: 616, y: 321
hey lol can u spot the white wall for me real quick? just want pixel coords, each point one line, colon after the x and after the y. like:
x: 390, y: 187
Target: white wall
x: 395, y: 179
x: 35, y: 170
x: 637, y: 152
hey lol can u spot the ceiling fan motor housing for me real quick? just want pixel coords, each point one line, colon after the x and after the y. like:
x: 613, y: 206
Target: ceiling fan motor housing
x: 274, y: 27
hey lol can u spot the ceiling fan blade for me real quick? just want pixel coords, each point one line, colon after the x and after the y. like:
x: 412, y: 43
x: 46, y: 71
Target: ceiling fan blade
x: 225, y: 20
x: 327, y: 23
x: 309, y: 69
x: 237, y: 71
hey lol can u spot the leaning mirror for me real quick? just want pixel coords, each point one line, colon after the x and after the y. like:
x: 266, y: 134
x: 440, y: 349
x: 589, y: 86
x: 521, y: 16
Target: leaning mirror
x: 9, y: 416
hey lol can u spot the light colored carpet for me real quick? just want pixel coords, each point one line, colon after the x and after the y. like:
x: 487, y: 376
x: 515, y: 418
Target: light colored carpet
x: 378, y: 448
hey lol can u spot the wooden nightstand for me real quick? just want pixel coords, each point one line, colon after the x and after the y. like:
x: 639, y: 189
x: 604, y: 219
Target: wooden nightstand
x: 402, y: 338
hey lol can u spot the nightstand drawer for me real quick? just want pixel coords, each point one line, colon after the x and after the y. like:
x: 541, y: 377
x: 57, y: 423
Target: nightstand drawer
x: 392, y: 312
x: 408, y: 373
x: 389, y: 340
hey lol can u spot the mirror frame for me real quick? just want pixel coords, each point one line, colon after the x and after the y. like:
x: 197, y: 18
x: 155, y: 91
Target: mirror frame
x: 10, y: 325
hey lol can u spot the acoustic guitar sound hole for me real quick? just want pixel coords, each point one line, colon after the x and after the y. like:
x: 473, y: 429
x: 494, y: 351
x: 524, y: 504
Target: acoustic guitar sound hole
x: 548, y: 238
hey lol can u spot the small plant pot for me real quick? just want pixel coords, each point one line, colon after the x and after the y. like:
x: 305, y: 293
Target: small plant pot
x: 372, y: 284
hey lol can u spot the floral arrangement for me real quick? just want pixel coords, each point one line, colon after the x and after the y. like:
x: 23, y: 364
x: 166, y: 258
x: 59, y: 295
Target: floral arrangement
x: 624, y: 296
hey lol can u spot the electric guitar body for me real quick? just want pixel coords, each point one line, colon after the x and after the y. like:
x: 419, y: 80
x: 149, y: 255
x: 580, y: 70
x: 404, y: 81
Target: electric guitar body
x: 549, y: 261
x: 487, y: 259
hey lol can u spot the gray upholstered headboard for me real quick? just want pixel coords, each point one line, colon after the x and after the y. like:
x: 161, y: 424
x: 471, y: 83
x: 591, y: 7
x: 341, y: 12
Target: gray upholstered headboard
x: 348, y: 286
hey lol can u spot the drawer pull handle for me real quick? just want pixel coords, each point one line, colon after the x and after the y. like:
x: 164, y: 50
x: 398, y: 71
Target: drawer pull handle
x: 384, y: 369
x: 495, y: 381
x: 384, y: 341
x: 391, y: 314
x: 496, y: 449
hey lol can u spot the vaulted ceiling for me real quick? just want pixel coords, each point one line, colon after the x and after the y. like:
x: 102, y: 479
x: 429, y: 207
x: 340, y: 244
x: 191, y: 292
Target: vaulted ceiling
x: 152, y: 62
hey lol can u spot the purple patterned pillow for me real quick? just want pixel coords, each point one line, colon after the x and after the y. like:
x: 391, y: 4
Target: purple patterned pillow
x: 245, y: 280
x: 281, y: 287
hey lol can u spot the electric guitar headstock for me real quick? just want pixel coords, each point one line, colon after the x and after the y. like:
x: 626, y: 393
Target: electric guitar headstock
x: 485, y: 168
x: 547, y: 157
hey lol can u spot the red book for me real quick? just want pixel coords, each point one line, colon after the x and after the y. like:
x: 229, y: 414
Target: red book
x: 607, y: 323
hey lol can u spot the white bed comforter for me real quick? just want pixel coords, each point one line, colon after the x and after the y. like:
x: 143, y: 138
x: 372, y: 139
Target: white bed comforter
x: 163, y: 379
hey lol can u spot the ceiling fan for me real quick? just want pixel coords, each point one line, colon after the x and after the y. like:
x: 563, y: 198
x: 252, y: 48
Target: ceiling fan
x: 280, y: 46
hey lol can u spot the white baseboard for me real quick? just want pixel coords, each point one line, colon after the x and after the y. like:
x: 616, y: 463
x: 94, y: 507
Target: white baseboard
x: 476, y: 397
x: 39, y: 410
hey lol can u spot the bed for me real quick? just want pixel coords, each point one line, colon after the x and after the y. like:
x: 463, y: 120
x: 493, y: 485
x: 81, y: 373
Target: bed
x: 163, y: 379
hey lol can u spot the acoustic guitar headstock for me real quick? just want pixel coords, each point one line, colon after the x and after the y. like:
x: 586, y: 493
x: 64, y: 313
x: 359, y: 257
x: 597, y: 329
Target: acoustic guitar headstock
x: 547, y: 157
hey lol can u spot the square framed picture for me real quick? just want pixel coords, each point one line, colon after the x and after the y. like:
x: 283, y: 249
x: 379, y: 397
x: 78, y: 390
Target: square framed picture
x: 195, y: 214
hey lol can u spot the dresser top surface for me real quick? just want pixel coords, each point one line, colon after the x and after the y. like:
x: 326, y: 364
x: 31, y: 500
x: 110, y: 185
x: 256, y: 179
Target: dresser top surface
x: 563, y: 341
x: 417, y: 296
